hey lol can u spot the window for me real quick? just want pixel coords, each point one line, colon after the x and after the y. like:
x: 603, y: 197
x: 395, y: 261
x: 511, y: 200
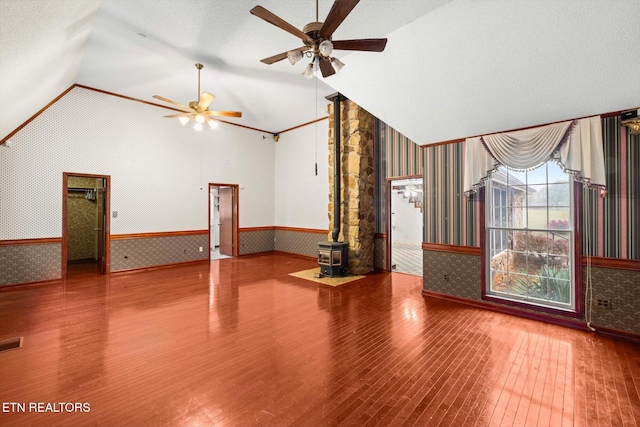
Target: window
x: 499, y: 218
x: 529, y: 237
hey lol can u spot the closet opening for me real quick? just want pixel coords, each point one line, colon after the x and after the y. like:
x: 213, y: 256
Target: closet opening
x: 85, y: 222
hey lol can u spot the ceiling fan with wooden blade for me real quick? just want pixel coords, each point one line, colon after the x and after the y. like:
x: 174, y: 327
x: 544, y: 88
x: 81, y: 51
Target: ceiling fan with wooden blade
x: 317, y: 40
x: 198, y: 111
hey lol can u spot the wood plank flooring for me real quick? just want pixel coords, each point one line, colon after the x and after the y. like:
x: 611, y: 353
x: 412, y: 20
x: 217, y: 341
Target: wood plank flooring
x: 238, y: 342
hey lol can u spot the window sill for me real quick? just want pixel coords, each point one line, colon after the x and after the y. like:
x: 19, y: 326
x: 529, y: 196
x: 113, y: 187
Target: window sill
x: 532, y: 307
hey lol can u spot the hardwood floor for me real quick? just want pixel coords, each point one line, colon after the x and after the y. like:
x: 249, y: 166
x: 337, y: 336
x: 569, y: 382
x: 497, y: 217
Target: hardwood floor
x: 238, y: 342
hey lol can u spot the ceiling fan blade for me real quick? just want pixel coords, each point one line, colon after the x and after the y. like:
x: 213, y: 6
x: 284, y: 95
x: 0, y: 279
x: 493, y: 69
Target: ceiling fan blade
x: 173, y: 116
x: 205, y: 100
x: 263, y: 13
x: 279, y: 57
x: 369, y: 45
x: 171, y: 102
x: 326, y: 68
x: 223, y: 113
x: 339, y: 11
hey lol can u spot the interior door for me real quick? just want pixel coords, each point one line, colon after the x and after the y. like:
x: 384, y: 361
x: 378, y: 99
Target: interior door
x: 214, y: 224
x: 101, y: 231
x: 225, y: 203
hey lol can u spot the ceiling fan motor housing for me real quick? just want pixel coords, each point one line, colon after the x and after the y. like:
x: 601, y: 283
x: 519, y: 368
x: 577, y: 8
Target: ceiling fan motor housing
x: 312, y: 29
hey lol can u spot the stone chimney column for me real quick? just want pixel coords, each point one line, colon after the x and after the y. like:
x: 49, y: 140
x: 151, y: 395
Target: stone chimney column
x: 357, y: 186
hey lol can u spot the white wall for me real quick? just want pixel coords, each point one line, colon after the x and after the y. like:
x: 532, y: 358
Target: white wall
x: 475, y: 67
x: 301, y: 197
x: 159, y: 170
x: 406, y: 221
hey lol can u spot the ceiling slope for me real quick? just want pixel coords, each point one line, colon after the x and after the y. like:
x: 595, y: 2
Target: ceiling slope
x: 229, y: 41
x: 41, y: 47
x: 141, y: 48
x: 476, y: 67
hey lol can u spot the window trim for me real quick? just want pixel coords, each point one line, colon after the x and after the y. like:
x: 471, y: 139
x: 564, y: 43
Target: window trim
x: 501, y: 191
x: 577, y: 312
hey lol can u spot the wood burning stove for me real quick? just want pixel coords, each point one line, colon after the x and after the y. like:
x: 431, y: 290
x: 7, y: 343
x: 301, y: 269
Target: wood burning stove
x: 333, y: 258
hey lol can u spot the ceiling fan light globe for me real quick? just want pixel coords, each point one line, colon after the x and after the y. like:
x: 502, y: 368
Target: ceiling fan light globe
x: 308, y: 71
x: 197, y: 126
x: 199, y: 118
x: 294, y: 56
x: 325, y: 48
x: 183, y: 120
x: 212, y: 123
x: 316, y: 63
x: 337, y: 64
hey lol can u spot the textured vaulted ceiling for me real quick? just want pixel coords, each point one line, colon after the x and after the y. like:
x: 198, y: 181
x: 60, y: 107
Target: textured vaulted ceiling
x: 451, y: 68
x: 48, y: 45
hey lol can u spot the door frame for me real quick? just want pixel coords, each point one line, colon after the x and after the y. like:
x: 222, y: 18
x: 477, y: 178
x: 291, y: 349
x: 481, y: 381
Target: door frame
x: 107, y: 219
x: 235, y: 212
x: 388, y: 219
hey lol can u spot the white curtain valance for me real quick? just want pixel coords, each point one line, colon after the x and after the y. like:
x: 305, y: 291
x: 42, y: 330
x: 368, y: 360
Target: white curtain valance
x: 576, y: 145
x: 526, y: 149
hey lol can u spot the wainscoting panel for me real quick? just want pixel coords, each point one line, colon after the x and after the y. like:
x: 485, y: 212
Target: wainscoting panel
x: 463, y: 272
x: 299, y: 241
x: 621, y: 290
x: 255, y: 240
x: 142, y: 252
x: 27, y: 263
x: 380, y: 252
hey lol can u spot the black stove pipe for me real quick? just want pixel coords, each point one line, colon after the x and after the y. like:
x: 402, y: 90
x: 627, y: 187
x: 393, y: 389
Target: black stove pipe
x: 336, y: 98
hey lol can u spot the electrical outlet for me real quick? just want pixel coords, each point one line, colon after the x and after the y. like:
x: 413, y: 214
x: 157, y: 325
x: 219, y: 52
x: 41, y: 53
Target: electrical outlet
x: 604, y: 303
x: 446, y: 277
x: 200, y: 249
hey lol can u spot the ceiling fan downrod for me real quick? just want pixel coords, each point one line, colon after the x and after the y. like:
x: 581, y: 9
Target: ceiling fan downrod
x: 199, y: 66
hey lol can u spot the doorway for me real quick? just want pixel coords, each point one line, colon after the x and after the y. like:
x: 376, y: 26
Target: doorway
x: 85, y: 221
x: 404, y: 225
x: 223, y: 220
